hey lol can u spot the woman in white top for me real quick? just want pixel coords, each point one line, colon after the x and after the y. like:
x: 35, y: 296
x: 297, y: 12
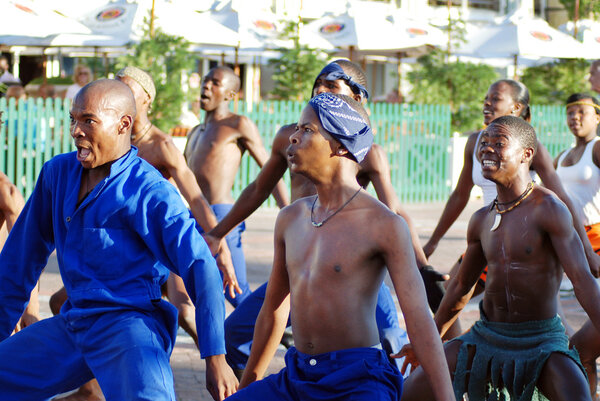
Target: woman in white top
x: 82, y: 76
x: 579, y: 171
x: 504, y: 97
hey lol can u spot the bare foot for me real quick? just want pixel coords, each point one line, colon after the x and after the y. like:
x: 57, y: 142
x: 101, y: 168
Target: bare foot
x: 90, y: 391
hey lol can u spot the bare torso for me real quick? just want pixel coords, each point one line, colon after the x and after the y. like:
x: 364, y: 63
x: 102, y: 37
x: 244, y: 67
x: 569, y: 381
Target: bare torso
x: 214, y: 154
x: 524, y: 273
x: 339, y: 264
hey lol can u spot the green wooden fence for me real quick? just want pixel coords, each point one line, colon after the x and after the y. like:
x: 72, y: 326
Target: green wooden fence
x: 416, y: 138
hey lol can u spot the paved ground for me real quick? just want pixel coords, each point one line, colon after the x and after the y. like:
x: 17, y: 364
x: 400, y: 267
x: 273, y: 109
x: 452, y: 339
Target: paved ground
x: 189, y: 368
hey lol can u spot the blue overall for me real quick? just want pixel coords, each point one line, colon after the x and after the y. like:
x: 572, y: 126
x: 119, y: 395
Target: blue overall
x: 350, y: 374
x: 234, y: 242
x: 114, y: 251
x: 239, y: 326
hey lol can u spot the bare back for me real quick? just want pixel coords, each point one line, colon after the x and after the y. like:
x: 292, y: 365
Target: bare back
x: 339, y: 264
x: 152, y: 150
x: 524, y: 271
x: 214, y: 154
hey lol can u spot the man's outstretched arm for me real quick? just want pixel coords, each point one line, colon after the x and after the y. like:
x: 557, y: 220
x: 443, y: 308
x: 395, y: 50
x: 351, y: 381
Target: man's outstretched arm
x: 188, y: 186
x: 397, y: 252
x: 273, y: 315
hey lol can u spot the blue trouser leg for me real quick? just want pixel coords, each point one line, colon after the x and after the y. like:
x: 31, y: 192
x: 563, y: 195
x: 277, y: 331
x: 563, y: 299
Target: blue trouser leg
x: 40, y: 362
x: 234, y: 241
x: 129, y: 355
x: 391, y: 335
x: 239, y: 326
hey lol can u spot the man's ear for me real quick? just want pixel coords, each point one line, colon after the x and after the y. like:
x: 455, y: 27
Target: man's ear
x: 125, y: 124
x: 528, y: 154
x: 340, y: 150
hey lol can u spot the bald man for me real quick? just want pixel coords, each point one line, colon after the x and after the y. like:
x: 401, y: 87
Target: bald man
x: 118, y: 227
x: 214, y: 152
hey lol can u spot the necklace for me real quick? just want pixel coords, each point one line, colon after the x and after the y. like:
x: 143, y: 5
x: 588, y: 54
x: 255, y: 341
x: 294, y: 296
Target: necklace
x: 144, y: 132
x: 517, y: 202
x: 312, y: 209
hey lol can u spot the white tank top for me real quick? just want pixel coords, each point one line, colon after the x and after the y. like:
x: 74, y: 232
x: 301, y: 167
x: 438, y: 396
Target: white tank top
x: 582, y: 183
x: 488, y: 188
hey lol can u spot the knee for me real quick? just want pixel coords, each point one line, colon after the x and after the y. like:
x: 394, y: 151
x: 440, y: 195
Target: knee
x: 56, y: 301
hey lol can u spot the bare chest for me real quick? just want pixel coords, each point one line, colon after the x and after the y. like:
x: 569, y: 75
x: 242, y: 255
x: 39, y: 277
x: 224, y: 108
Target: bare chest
x: 515, y: 243
x: 330, y: 252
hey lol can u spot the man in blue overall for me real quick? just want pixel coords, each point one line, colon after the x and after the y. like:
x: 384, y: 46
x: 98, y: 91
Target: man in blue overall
x: 118, y: 228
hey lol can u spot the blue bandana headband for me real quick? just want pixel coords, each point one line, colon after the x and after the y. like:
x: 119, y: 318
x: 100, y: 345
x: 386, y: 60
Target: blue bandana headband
x: 333, y: 71
x: 344, y: 124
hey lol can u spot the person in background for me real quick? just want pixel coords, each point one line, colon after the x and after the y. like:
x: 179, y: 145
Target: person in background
x: 82, y: 75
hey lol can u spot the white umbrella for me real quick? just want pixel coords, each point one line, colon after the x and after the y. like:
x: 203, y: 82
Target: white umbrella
x: 417, y: 37
x: 363, y: 27
x: 588, y: 32
x: 196, y: 27
x: 517, y: 36
x: 26, y: 23
x: 256, y: 28
x: 372, y: 29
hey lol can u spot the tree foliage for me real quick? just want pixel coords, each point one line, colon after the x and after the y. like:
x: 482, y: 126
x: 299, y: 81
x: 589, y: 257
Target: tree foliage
x: 462, y: 85
x: 165, y: 58
x: 296, y: 68
x: 587, y: 8
x: 552, y: 83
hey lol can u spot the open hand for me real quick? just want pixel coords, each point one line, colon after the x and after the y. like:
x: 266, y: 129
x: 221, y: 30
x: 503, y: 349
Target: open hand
x: 410, y: 358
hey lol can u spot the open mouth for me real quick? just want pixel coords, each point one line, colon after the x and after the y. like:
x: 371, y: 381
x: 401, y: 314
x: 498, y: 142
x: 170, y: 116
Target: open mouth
x: 488, y: 163
x: 82, y: 153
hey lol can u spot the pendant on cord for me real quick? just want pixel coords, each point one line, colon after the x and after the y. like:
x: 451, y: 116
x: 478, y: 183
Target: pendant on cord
x: 497, y: 220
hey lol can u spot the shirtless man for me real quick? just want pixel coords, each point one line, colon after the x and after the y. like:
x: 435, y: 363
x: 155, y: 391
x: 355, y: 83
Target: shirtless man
x: 336, y: 243
x: 526, y: 238
x: 214, y: 152
x: 342, y: 77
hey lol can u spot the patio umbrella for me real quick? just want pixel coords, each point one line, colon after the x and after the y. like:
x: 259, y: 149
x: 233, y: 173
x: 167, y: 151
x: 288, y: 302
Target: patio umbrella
x: 363, y: 28
x: 25, y: 23
x: 588, y: 32
x: 518, y: 35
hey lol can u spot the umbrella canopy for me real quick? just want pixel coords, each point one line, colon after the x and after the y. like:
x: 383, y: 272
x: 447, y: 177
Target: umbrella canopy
x: 372, y: 29
x: 255, y: 28
x: 25, y: 23
x: 361, y: 27
x: 588, y: 32
x: 518, y: 35
x: 175, y: 21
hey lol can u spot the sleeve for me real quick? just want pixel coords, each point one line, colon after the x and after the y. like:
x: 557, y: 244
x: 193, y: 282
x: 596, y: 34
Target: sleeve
x: 170, y: 232
x: 25, y: 254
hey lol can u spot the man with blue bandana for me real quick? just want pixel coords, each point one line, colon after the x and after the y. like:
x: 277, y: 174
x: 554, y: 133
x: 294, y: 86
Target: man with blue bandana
x: 337, y: 242
x: 343, y: 77
x: 118, y: 227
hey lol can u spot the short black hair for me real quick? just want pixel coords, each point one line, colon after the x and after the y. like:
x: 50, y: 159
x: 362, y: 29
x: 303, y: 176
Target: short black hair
x: 235, y: 80
x: 576, y: 97
x: 520, y: 94
x: 520, y: 129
